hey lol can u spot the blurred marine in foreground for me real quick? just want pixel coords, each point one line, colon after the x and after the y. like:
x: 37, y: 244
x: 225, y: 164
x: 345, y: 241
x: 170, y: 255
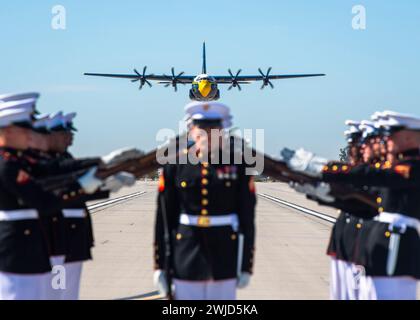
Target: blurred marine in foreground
x: 375, y: 243
x: 44, y: 221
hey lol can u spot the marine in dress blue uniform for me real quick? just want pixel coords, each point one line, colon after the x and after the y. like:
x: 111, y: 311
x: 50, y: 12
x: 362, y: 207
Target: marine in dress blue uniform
x: 210, y: 208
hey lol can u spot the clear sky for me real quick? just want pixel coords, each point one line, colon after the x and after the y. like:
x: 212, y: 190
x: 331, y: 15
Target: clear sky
x: 367, y: 70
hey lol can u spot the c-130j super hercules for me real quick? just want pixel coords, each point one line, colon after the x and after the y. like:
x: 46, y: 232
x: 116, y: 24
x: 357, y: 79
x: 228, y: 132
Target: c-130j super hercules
x: 203, y: 86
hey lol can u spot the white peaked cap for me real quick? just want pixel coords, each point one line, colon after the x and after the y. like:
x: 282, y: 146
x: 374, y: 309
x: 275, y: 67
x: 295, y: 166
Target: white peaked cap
x: 210, y: 110
x: 353, y: 127
x: 55, y: 120
x: 28, y: 104
x: 68, y: 118
x: 18, y: 96
x: 9, y: 117
x: 392, y: 119
x: 41, y: 121
x: 367, y: 127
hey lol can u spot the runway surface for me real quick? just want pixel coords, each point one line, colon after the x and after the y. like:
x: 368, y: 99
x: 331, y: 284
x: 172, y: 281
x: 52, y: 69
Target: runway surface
x: 290, y: 256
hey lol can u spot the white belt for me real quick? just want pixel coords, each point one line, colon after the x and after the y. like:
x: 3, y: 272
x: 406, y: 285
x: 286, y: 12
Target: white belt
x: 74, y: 213
x: 15, y: 215
x: 399, y: 220
x: 210, y: 221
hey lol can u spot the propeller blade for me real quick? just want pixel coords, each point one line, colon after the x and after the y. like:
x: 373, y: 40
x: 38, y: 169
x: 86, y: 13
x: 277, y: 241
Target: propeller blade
x: 147, y: 81
x: 175, y: 88
x: 231, y: 86
x: 173, y: 72
x: 134, y: 80
x: 167, y: 84
x: 180, y: 74
x: 136, y: 72
x: 239, y: 87
x: 237, y: 73
x: 144, y: 70
x: 271, y: 85
x: 230, y: 72
x: 259, y: 70
x: 262, y: 86
x: 268, y: 71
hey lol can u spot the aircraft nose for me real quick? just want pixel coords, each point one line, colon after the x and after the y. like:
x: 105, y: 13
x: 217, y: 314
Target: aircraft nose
x: 204, y: 86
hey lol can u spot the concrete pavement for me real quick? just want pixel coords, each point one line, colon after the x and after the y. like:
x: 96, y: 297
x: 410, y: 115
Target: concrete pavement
x: 290, y: 256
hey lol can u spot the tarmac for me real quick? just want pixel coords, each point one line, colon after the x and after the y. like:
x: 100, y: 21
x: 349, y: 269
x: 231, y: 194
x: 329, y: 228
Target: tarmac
x: 290, y: 262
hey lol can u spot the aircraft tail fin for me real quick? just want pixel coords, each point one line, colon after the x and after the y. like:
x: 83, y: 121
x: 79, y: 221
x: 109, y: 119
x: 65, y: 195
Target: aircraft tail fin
x: 204, y: 58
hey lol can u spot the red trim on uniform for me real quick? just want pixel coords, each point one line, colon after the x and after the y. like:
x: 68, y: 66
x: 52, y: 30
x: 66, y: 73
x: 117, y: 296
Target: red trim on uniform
x: 251, y: 185
x: 161, y: 185
x: 23, y: 177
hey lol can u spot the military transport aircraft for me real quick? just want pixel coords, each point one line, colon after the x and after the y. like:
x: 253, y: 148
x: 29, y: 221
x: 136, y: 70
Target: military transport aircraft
x: 204, y: 86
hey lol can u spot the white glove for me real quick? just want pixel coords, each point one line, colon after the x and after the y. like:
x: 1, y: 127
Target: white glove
x: 243, y: 280
x: 320, y: 191
x: 160, y: 282
x: 89, y: 182
x: 304, y: 161
x: 120, y: 155
x: 119, y: 180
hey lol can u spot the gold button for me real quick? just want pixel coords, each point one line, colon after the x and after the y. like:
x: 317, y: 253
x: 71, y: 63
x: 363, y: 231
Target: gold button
x: 204, y: 211
x: 228, y: 184
x: 205, y: 164
x: 377, y: 165
x: 204, y: 202
x: 233, y: 236
x: 27, y: 232
x: 378, y: 200
x: 204, y: 172
x: 204, y: 192
x: 203, y: 221
x: 178, y: 236
x: 65, y: 197
x: 358, y: 226
x: 204, y: 181
x: 183, y: 184
x: 344, y: 168
x: 387, y: 234
x: 335, y: 168
x: 380, y: 209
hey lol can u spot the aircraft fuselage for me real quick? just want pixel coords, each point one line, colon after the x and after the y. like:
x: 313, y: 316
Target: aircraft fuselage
x: 204, y: 88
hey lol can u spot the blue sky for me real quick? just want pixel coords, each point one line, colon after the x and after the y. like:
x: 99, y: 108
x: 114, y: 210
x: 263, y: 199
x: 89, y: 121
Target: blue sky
x: 367, y: 70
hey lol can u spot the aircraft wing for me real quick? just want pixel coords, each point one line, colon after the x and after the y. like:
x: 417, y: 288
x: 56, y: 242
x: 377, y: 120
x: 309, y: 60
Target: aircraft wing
x: 161, y: 78
x: 246, y: 79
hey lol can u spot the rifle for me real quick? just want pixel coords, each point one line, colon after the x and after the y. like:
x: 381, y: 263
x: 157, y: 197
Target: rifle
x: 279, y: 170
x: 138, y: 166
x: 168, y: 250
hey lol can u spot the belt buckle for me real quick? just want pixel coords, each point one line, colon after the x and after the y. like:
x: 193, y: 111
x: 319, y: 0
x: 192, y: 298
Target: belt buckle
x: 203, y: 221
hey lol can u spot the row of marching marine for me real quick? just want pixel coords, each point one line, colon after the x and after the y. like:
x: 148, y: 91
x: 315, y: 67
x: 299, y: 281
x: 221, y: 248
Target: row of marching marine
x: 45, y: 227
x: 374, y: 245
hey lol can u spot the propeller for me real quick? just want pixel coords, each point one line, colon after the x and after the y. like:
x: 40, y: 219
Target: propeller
x: 142, y: 78
x: 174, y: 79
x: 235, y: 82
x: 266, y: 78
